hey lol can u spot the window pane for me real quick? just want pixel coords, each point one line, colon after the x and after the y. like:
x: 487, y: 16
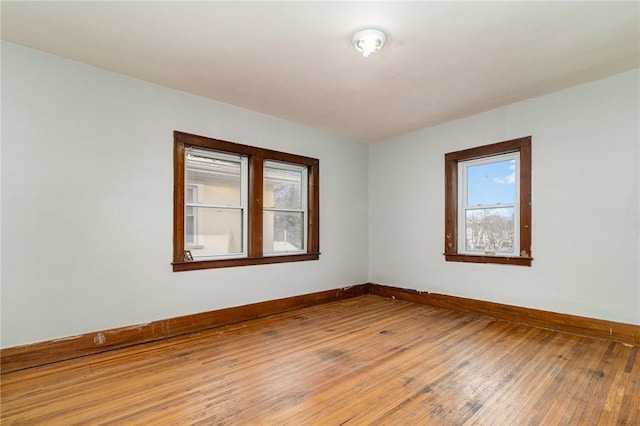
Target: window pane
x: 191, y: 194
x: 492, y: 183
x: 189, y: 227
x: 283, y: 231
x: 219, y: 180
x: 490, y: 230
x: 282, y: 189
x: 218, y: 231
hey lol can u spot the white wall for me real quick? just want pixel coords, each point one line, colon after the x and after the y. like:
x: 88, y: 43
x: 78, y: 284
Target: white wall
x: 585, y: 204
x: 87, y: 203
x: 87, y: 177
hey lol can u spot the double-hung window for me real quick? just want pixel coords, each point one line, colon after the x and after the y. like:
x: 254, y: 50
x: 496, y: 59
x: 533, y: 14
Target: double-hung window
x: 238, y: 205
x: 285, y: 208
x: 488, y: 203
x: 215, y: 212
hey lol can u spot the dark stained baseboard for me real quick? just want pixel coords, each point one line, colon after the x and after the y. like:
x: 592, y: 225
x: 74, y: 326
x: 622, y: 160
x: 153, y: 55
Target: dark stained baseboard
x: 41, y: 353
x: 36, y: 354
x: 573, y: 324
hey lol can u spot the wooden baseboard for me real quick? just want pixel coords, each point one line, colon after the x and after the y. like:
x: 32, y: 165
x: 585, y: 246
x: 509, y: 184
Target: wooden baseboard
x: 36, y: 354
x: 41, y: 353
x: 583, y: 326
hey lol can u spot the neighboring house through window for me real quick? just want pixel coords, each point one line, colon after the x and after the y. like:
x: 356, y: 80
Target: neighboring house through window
x: 193, y: 231
x: 240, y: 205
x: 488, y: 203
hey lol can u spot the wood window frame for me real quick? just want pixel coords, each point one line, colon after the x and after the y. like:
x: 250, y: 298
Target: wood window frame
x: 451, y: 160
x: 256, y: 157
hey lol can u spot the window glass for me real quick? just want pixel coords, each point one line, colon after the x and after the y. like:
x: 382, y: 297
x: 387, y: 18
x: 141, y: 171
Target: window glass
x: 220, y: 234
x: 282, y: 188
x: 190, y: 227
x: 283, y: 231
x: 491, y: 183
x: 490, y: 230
x: 220, y: 180
x: 190, y: 224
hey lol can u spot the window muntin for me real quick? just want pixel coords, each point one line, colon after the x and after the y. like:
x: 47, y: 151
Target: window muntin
x: 285, y: 208
x: 468, y: 210
x: 206, y: 162
x: 489, y: 205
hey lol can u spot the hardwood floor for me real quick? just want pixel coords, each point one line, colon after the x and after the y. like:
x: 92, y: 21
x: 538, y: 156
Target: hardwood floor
x: 365, y: 360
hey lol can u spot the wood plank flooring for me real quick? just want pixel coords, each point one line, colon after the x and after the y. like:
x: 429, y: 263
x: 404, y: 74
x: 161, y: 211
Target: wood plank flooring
x: 365, y: 360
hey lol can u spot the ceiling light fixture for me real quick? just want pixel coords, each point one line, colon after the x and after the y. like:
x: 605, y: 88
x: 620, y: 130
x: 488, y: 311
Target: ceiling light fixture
x: 369, y: 41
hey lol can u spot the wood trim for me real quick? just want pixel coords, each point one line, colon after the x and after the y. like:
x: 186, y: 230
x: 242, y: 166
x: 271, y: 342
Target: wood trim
x: 178, y: 200
x: 242, y: 261
x: 503, y: 260
x: 505, y: 147
x: 573, y: 324
x: 36, y: 354
x: 313, y: 206
x: 255, y: 205
x: 525, y: 198
x: 451, y: 205
x: 237, y: 148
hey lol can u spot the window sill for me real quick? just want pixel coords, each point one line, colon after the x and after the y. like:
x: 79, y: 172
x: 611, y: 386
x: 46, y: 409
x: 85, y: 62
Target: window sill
x: 243, y: 261
x: 520, y: 261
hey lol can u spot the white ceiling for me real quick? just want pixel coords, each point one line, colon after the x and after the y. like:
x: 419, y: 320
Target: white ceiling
x: 294, y: 60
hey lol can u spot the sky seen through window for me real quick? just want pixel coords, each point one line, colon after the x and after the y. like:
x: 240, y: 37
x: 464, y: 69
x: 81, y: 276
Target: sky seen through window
x: 491, y: 184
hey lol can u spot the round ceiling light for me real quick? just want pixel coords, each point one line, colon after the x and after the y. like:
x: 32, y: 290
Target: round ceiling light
x: 369, y: 41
